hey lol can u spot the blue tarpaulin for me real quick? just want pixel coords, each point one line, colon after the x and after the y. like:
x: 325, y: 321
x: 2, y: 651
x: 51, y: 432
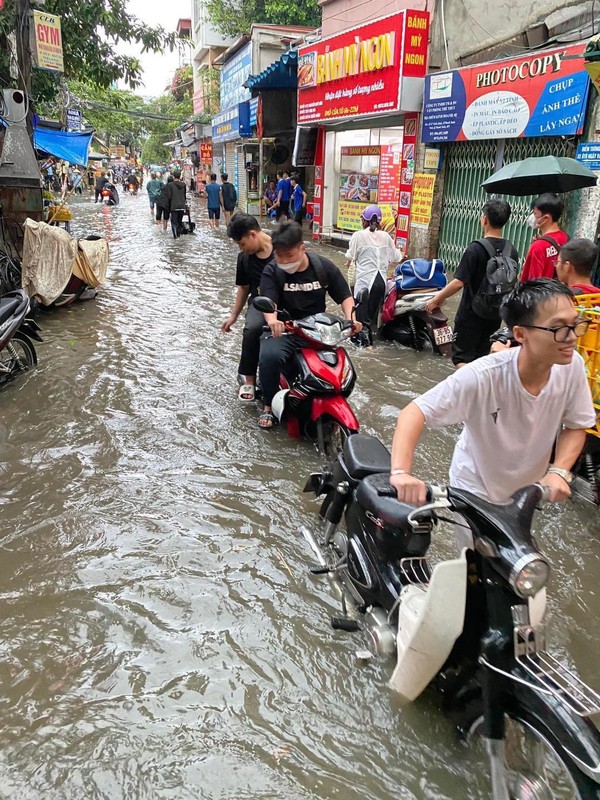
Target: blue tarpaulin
x: 72, y: 147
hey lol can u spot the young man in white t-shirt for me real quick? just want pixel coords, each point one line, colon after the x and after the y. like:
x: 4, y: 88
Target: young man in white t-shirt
x: 512, y: 404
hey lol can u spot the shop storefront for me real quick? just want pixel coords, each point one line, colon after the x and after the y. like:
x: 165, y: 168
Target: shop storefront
x: 229, y: 130
x: 486, y: 115
x: 362, y: 89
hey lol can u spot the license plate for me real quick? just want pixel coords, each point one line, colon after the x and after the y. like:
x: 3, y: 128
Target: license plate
x: 442, y: 335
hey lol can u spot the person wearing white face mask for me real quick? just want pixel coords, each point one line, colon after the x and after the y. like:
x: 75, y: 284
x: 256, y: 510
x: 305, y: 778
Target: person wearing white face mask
x: 540, y: 261
x: 298, y: 282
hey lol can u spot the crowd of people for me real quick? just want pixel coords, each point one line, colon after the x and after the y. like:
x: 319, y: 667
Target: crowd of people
x: 512, y: 397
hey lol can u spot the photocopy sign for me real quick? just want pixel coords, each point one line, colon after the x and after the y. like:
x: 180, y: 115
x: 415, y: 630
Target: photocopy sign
x: 48, y: 52
x: 542, y: 94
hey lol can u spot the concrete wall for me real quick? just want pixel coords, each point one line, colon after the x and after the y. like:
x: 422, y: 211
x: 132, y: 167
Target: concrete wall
x: 339, y: 15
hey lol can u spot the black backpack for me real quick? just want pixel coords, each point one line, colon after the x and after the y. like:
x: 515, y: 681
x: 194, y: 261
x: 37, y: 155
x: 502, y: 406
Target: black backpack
x: 501, y: 276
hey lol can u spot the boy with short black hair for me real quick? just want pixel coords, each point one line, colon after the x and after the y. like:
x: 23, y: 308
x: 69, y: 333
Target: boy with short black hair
x: 256, y: 251
x: 540, y: 261
x: 471, y: 331
x: 576, y: 260
x: 214, y: 202
x: 511, y: 403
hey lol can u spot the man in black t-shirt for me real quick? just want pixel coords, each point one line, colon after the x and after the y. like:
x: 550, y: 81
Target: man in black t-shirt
x: 229, y: 196
x: 256, y: 251
x: 292, y: 283
x: 472, y: 332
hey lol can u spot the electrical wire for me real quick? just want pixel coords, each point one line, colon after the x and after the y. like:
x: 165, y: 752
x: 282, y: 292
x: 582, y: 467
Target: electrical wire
x: 443, y: 16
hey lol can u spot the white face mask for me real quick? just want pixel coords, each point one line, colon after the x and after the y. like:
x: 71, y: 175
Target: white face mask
x: 533, y: 221
x: 291, y: 266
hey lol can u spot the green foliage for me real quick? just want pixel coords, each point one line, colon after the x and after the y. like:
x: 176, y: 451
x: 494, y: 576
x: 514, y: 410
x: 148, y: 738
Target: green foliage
x: 154, y: 152
x: 182, y: 85
x: 235, y: 17
x: 209, y: 78
x: 90, y: 31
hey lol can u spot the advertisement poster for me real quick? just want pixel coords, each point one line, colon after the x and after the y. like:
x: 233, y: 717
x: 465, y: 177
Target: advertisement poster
x: 48, y: 42
x: 422, y: 199
x: 542, y: 94
x: 389, y: 173
x: 206, y: 152
x: 348, y: 216
x: 359, y: 187
x: 359, y: 72
x: 407, y: 173
x: 233, y: 75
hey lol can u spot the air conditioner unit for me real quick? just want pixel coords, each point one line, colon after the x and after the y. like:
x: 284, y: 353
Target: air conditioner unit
x: 14, y: 107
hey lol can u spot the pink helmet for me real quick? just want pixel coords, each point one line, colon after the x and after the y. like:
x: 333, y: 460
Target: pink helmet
x: 370, y: 212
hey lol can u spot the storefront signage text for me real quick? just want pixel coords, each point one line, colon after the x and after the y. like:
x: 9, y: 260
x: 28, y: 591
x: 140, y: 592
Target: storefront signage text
x: 48, y: 42
x: 206, y: 153
x: 359, y: 72
x: 233, y: 76
x: 422, y: 199
x: 541, y: 95
x: 232, y: 124
x: 589, y: 154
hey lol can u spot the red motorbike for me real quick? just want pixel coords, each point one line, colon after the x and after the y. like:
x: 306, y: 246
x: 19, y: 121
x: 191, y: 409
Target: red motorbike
x: 312, y: 399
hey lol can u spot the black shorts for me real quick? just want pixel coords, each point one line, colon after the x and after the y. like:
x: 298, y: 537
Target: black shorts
x: 472, y: 338
x: 284, y: 208
x: 299, y: 215
x: 162, y: 213
x: 214, y: 213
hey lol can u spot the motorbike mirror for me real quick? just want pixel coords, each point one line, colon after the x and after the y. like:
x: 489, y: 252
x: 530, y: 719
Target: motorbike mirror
x: 264, y: 304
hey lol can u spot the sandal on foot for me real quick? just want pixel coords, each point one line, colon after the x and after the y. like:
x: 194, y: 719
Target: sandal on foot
x: 266, y: 421
x: 246, y: 393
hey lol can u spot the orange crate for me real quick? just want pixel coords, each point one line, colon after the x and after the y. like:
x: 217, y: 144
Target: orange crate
x: 589, y: 347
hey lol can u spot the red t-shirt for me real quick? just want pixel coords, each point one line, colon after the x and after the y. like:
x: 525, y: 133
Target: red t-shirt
x: 584, y: 288
x: 541, y: 257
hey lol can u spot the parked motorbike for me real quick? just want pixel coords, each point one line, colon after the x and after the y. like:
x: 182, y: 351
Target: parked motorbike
x: 109, y: 194
x: 312, y: 400
x: 404, y: 320
x: 17, y: 352
x: 471, y: 627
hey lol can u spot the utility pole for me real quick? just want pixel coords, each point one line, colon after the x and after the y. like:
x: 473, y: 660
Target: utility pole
x: 22, y: 35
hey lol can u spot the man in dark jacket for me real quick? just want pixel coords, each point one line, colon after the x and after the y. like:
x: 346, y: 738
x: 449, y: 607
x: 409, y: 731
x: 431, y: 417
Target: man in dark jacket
x: 229, y: 195
x: 100, y: 185
x: 176, y: 197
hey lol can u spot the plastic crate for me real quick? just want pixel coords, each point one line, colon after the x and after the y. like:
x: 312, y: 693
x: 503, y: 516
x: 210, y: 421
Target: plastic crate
x: 589, y: 348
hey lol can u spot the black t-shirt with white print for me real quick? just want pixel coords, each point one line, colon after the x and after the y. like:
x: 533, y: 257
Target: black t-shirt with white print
x: 301, y: 293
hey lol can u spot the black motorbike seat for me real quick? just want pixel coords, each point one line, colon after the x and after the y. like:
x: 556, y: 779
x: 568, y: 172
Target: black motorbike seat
x: 391, y: 512
x: 365, y: 455
x: 8, y: 306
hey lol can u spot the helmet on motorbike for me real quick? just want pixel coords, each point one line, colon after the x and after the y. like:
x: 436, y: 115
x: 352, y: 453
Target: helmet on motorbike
x: 370, y: 212
x: 278, y: 403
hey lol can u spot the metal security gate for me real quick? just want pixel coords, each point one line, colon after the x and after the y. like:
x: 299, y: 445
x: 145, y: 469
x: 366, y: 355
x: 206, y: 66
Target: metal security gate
x: 468, y: 164
x: 241, y: 177
x: 230, y: 159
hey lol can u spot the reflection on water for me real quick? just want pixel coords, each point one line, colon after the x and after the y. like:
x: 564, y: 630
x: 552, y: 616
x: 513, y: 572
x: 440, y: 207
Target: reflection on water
x: 160, y: 634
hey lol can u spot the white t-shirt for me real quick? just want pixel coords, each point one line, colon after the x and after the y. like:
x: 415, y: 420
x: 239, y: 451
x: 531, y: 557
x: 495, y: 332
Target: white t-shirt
x: 372, y: 253
x: 508, y: 434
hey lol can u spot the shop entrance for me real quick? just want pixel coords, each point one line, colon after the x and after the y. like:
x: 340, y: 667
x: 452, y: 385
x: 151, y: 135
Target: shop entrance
x: 468, y: 164
x: 362, y: 167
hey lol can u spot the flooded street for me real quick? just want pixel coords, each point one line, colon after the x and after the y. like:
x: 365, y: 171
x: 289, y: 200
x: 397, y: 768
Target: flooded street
x: 161, y: 636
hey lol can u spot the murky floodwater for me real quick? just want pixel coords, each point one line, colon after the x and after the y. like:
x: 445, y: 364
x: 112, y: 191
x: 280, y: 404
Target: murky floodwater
x: 160, y: 635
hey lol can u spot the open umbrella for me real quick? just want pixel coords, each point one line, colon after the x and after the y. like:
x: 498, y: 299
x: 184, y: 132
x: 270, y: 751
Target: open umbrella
x: 538, y: 175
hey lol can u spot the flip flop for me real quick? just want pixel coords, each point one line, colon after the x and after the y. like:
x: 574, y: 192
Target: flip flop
x: 246, y: 393
x: 266, y: 421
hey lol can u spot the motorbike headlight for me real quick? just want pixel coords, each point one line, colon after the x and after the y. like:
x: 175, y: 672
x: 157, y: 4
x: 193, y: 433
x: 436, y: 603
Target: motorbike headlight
x: 347, y: 374
x: 329, y: 334
x: 529, y: 575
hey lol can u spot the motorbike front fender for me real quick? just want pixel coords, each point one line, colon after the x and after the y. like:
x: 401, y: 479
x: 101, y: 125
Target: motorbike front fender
x: 335, y: 407
x: 577, y: 736
x: 430, y: 620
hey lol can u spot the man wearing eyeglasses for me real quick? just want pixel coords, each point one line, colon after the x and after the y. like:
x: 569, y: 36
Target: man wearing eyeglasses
x: 511, y: 403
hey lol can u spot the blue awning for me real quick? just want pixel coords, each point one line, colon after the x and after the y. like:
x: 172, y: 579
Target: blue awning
x: 72, y: 147
x: 282, y: 74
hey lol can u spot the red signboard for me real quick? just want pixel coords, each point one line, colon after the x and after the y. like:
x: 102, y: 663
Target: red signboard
x: 206, y: 153
x: 389, y: 173
x: 359, y: 72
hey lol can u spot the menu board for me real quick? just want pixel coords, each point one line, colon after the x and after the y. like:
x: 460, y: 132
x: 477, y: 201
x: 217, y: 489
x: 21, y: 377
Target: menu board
x: 359, y: 186
x: 389, y: 173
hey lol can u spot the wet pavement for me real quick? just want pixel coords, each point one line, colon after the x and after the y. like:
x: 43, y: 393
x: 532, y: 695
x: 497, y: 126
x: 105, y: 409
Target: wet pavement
x: 160, y: 636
